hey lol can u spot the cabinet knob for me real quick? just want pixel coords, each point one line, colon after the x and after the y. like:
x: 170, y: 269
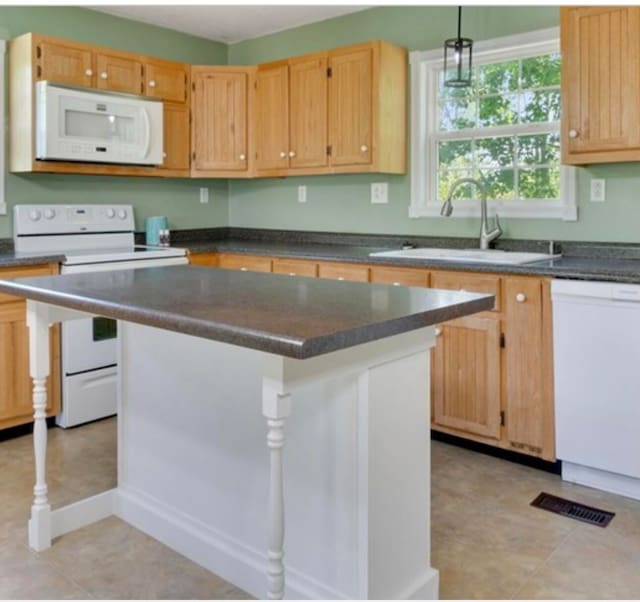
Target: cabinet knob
x: 292, y: 153
x: 283, y: 155
x: 340, y: 277
x: 152, y: 83
x: 244, y: 269
x: 396, y: 284
x: 164, y: 155
x: 364, y: 148
x: 292, y: 273
x: 521, y: 297
x: 88, y: 72
x: 104, y: 75
x: 438, y: 331
x: 243, y: 157
x: 573, y: 133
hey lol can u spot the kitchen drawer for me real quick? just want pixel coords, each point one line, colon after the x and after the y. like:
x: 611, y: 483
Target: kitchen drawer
x: 24, y: 272
x: 205, y: 259
x: 246, y: 263
x: 344, y: 271
x: 477, y: 283
x: 295, y: 267
x: 400, y: 276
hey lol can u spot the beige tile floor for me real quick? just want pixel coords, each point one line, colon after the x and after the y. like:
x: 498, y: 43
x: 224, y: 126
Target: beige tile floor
x: 487, y: 541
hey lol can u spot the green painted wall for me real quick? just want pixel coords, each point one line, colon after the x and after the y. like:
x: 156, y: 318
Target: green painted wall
x: 342, y: 202
x: 176, y: 198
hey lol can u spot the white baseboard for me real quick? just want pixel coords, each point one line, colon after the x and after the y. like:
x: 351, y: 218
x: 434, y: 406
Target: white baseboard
x: 426, y: 588
x: 83, y: 513
x: 601, y: 479
x: 219, y: 553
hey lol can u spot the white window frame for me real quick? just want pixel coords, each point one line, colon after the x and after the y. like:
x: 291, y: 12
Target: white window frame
x: 424, y: 123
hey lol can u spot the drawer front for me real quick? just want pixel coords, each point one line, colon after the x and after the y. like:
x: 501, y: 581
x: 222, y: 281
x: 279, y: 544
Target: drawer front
x: 23, y: 272
x: 205, y: 259
x: 476, y: 283
x: 344, y: 271
x: 245, y: 263
x: 295, y: 267
x: 400, y: 276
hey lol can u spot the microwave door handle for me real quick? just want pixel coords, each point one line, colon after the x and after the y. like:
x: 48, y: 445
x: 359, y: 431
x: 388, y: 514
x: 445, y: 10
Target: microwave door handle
x: 147, y: 133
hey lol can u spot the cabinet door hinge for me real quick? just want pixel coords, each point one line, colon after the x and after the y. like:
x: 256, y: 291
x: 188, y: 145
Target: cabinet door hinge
x: 502, y: 420
x: 193, y: 86
x: 193, y: 155
x: 502, y: 340
x: 329, y: 72
x: 329, y: 149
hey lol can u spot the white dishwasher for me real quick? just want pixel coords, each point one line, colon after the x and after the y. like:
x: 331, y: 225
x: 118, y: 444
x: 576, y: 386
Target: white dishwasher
x: 596, y: 341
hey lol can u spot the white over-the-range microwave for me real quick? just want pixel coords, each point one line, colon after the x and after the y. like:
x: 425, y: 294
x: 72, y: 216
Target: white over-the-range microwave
x: 76, y: 124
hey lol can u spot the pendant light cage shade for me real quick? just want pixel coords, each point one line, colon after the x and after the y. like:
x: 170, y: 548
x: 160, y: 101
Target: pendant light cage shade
x: 458, y: 53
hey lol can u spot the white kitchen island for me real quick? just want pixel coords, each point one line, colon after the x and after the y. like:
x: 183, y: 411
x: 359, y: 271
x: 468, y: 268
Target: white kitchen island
x: 259, y: 413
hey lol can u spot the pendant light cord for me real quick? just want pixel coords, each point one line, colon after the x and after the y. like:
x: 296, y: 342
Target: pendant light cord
x: 459, y: 22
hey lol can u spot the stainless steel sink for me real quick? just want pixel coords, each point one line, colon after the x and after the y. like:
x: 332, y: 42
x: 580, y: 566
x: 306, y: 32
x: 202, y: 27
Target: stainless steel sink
x: 467, y: 255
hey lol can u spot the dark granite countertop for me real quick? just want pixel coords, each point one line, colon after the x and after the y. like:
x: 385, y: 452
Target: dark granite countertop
x: 12, y: 260
x: 290, y: 316
x: 603, y: 265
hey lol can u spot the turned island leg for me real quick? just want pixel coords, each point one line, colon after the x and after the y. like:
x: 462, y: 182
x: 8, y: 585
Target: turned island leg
x: 40, y: 522
x: 275, y: 408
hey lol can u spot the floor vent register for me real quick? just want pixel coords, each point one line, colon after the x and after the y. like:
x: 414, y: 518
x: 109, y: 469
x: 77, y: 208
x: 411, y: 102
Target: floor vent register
x: 586, y: 514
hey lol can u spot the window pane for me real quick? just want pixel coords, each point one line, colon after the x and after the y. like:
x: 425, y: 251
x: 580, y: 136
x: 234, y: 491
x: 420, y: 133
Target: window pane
x: 447, y: 178
x: 497, y: 78
x: 540, y: 71
x: 495, y: 152
x: 541, y: 183
x: 498, y: 110
x: 454, y: 153
x: 540, y: 106
x: 499, y: 184
x: 538, y: 149
x: 457, y: 115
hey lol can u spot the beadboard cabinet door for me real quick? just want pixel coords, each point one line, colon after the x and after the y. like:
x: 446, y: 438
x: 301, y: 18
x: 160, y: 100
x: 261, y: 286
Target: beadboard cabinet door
x: 220, y: 125
x: 600, y: 84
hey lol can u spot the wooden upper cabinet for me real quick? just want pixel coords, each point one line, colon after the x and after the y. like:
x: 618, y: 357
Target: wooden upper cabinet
x: 600, y: 84
x: 220, y: 107
x: 466, y: 376
x: 272, y: 117
x: 165, y: 80
x: 176, y: 136
x: 59, y: 63
x: 308, y: 111
x: 350, y: 106
x: 119, y: 74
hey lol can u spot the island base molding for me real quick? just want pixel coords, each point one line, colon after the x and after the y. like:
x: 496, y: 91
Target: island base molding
x: 225, y: 452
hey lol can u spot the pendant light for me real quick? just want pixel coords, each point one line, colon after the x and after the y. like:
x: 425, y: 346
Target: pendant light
x: 457, y: 58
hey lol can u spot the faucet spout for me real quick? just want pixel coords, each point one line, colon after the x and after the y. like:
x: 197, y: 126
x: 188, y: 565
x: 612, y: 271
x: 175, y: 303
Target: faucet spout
x: 486, y: 235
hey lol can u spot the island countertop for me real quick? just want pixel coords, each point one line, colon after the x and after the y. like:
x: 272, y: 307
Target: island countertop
x: 284, y: 315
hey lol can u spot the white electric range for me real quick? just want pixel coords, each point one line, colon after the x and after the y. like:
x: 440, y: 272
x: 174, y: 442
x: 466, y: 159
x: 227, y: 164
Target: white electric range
x: 92, y: 238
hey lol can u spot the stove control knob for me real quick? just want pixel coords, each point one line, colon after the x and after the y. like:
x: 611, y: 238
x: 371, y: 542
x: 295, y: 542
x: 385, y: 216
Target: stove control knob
x: 49, y: 213
x: 122, y: 214
x: 111, y: 213
x: 34, y: 215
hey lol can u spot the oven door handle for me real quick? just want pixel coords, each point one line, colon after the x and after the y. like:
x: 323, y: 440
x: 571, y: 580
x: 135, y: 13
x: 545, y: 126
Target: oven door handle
x: 147, y: 133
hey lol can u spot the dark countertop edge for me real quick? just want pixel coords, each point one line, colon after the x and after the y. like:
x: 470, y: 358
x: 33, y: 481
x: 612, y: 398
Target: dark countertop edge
x: 284, y: 346
x: 11, y: 261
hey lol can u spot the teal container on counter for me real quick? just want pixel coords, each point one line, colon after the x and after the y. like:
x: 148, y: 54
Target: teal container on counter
x: 152, y: 227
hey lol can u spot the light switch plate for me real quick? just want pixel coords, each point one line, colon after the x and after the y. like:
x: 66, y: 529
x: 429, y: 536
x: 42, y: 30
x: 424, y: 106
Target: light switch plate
x: 379, y: 193
x: 598, y: 190
x: 302, y: 194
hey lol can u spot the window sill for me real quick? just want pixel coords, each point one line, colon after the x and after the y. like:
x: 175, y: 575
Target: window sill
x: 507, y: 209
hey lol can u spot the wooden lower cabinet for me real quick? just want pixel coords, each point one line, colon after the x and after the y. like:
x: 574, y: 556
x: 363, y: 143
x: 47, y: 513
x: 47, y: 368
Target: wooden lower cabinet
x: 400, y: 276
x: 492, y: 373
x: 344, y: 271
x: 295, y: 267
x: 16, y: 401
x: 209, y: 260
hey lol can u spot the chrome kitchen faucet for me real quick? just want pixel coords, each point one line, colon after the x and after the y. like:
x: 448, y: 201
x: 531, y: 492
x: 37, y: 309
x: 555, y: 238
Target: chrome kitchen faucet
x: 486, y: 236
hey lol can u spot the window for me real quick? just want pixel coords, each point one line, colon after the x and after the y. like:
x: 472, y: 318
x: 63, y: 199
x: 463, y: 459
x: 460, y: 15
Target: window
x: 503, y: 130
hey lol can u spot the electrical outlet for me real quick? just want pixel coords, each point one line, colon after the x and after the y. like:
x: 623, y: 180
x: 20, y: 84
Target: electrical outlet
x: 204, y: 195
x: 379, y: 192
x: 302, y: 194
x: 598, y: 190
